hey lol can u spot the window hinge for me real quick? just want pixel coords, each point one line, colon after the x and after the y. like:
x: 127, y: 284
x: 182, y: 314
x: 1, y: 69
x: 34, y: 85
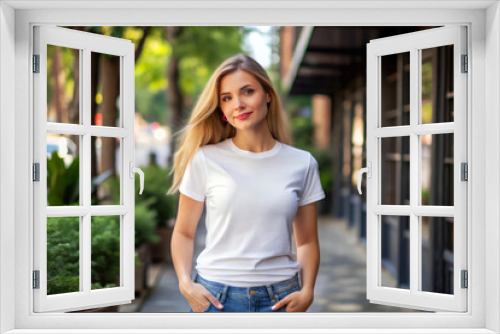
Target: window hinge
x: 36, y: 172
x: 465, y: 64
x: 465, y: 279
x: 36, y: 63
x: 465, y: 171
x: 36, y: 279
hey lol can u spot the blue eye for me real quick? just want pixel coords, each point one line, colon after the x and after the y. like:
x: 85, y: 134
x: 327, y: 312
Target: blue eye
x: 250, y: 90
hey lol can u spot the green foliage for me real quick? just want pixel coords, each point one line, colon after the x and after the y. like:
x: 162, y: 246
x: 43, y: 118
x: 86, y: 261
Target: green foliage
x: 105, y: 241
x: 303, y: 138
x: 62, y: 181
x: 145, y: 223
x: 146, y: 216
x: 63, y: 258
x: 302, y: 133
x: 156, y: 183
x: 325, y: 161
x: 425, y: 196
x: 63, y: 264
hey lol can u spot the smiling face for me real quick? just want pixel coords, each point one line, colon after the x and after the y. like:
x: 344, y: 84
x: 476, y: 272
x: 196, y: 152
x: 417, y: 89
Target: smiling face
x: 242, y: 93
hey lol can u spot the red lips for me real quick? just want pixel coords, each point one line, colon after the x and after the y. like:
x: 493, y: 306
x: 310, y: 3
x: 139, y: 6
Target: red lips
x: 243, y: 116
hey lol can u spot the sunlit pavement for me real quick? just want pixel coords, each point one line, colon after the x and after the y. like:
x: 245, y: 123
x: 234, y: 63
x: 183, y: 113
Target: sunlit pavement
x: 340, y: 284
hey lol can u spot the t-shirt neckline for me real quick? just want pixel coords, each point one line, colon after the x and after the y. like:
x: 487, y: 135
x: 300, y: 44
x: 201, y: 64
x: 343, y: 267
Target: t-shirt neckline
x: 250, y: 154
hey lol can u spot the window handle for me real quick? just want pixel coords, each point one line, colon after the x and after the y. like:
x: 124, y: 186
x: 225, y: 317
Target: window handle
x: 133, y: 170
x: 367, y: 170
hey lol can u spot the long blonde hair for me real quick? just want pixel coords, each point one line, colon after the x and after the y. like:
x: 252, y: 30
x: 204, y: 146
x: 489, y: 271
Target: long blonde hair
x: 205, y: 125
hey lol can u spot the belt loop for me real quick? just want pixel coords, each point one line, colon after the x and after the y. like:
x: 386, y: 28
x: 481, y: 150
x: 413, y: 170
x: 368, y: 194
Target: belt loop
x: 224, y: 294
x: 270, y: 291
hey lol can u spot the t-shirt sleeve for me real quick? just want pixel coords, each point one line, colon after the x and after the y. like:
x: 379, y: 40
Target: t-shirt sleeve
x: 312, y: 190
x: 194, y: 179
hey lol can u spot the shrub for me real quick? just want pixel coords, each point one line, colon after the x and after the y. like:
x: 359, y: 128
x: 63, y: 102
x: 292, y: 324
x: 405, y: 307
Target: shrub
x: 156, y: 184
x: 62, y: 181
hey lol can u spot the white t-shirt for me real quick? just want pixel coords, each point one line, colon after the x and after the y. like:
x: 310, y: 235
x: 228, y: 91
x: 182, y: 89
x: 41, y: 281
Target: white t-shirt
x: 251, y: 201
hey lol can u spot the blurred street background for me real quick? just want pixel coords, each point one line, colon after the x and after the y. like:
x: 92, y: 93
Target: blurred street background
x: 320, y: 74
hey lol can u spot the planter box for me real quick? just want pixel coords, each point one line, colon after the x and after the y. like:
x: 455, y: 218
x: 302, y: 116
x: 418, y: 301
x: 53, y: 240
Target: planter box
x: 144, y: 255
x: 160, y: 252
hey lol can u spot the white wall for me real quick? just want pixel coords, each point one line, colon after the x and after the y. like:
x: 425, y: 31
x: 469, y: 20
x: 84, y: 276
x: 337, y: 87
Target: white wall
x: 7, y: 187
x: 492, y: 151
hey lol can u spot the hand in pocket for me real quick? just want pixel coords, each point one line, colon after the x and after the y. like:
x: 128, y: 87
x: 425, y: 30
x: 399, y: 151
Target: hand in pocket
x: 199, y: 298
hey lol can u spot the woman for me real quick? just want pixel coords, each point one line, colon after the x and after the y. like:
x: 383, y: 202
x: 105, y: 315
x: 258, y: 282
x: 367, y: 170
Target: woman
x: 235, y: 157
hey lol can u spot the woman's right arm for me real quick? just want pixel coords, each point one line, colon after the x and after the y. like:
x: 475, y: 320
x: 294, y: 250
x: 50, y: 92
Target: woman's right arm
x: 181, y: 247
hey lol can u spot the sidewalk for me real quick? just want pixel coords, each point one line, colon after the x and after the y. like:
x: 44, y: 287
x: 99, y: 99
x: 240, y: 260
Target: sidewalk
x: 340, y: 284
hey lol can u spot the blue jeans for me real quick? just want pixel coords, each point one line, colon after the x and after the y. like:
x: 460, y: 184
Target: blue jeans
x: 252, y: 299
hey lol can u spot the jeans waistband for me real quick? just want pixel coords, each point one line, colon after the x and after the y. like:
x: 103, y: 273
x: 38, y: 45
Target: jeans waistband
x: 255, y: 291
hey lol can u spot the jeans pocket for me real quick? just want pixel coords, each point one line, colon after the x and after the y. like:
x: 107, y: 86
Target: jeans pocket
x: 282, y: 295
x: 216, y: 295
x: 208, y: 307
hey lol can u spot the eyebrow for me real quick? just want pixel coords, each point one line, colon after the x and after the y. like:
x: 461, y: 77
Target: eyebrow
x: 240, y: 89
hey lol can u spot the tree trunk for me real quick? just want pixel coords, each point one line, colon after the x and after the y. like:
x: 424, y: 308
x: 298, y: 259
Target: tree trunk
x: 110, y: 79
x: 94, y: 80
x: 74, y: 105
x: 59, y: 83
x: 174, y: 96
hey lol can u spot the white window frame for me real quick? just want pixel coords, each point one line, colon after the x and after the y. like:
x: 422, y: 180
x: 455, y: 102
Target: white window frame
x: 483, y: 21
x: 86, y: 43
x: 413, y: 43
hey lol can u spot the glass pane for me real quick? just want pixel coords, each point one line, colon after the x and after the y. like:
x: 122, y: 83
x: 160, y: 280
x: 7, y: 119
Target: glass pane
x: 437, y: 254
x: 395, y: 255
x: 63, y: 88
x: 437, y: 169
x: 63, y: 255
x: 105, y: 88
x: 395, y: 89
x: 105, y: 251
x: 63, y: 169
x: 395, y: 171
x: 437, y: 84
x: 105, y: 170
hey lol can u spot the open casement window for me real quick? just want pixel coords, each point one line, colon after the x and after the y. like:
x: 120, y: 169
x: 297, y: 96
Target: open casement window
x: 416, y: 182
x: 83, y: 165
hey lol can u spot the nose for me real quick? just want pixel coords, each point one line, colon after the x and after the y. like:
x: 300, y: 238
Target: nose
x: 239, y: 104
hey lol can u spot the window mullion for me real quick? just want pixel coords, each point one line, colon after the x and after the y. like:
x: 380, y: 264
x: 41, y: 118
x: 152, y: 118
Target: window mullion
x: 85, y: 156
x: 415, y: 103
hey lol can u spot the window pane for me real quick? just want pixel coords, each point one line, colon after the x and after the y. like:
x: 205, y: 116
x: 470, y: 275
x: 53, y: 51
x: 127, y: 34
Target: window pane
x: 63, y: 169
x: 105, y: 252
x: 105, y: 89
x: 395, y: 255
x: 437, y: 169
x: 63, y: 255
x: 63, y: 88
x: 437, y: 254
x: 395, y: 173
x: 437, y: 84
x: 105, y: 170
x: 395, y: 89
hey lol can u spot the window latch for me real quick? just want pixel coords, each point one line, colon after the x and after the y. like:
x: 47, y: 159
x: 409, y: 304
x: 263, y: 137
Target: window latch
x: 359, y: 175
x: 133, y: 170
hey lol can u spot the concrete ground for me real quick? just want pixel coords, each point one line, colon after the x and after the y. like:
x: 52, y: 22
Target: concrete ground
x: 340, y: 284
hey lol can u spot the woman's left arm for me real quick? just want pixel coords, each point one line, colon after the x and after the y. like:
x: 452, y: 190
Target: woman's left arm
x: 305, y: 228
